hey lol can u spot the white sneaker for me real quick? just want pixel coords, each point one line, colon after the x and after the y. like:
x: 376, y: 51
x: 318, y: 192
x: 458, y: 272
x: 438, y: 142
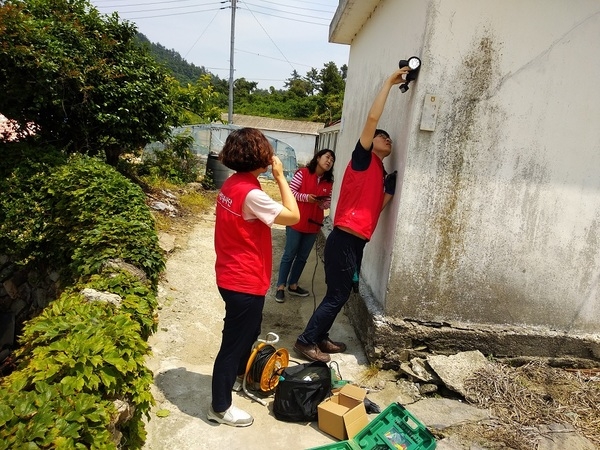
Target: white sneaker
x: 238, y: 385
x: 233, y: 416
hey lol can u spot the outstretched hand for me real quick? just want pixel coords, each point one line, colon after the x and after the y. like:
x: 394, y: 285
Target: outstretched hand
x: 399, y: 76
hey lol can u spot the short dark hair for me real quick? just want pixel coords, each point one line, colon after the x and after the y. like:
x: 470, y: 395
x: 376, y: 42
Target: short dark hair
x: 379, y: 131
x: 245, y: 150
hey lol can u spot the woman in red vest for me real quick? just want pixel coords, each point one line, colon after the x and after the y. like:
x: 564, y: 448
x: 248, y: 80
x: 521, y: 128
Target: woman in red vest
x: 311, y: 185
x: 244, y: 216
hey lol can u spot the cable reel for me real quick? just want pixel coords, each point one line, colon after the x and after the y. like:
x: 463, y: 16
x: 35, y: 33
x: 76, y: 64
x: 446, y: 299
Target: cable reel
x: 264, y: 366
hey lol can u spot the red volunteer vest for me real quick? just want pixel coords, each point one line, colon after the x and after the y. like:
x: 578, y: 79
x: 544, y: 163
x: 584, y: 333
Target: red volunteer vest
x: 310, y: 212
x: 361, y: 198
x: 243, y: 247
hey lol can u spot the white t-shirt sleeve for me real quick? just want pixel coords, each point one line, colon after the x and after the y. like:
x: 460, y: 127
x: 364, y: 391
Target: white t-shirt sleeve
x: 259, y: 205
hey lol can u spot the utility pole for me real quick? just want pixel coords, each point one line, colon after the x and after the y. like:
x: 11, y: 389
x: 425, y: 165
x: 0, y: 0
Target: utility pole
x: 230, y: 114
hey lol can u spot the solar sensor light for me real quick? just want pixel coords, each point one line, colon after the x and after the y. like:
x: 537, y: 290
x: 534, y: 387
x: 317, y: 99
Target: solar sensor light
x: 414, y: 64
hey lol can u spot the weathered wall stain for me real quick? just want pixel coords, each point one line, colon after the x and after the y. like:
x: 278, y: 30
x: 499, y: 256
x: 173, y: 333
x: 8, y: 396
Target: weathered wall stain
x: 475, y: 83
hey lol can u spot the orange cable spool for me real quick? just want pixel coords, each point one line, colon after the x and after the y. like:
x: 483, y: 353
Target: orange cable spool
x: 270, y: 360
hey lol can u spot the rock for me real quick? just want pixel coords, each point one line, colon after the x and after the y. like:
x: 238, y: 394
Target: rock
x: 428, y: 388
x: 455, y: 369
x: 408, y: 392
x: 162, y: 206
x: 441, y: 413
x: 166, y: 242
x: 558, y: 436
x: 119, y: 264
x: 420, y: 368
x: 92, y: 295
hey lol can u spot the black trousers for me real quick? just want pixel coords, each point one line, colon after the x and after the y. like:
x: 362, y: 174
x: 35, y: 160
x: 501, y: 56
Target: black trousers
x: 343, y: 256
x: 243, y: 318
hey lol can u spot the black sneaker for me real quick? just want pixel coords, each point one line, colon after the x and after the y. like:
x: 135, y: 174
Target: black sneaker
x: 298, y: 291
x: 280, y: 296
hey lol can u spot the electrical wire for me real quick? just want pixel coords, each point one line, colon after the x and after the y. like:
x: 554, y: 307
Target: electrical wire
x: 270, y: 57
x: 271, y: 39
x: 286, y: 18
x: 149, y: 3
x: 314, y: 273
x: 201, y: 34
x: 257, y: 368
x: 293, y: 7
x: 300, y: 7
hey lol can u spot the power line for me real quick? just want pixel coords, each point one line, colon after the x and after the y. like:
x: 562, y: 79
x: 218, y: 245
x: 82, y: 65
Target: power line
x: 263, y: 28
x: 152, y: 10
x: 302, y: 2
x: 286, y: 6
x: 201, y: 34
x: 175, y: 14
x: 288, y: 18
x: 174, y: 7
x: 271, y: 57
x: 135, y: 5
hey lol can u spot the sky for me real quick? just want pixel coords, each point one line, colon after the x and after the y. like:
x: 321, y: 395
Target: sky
x: 271, y: 40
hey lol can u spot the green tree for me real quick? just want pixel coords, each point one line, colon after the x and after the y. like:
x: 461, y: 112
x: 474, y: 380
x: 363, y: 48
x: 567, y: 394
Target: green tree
x: 314, y: 80
x: 197, y: 102
x: 242, y: 88
x: 81, y: 78
x: 331, y: 80
x: 298, y: 86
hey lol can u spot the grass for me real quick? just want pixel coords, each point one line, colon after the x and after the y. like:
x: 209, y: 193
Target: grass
x: 527, y: 397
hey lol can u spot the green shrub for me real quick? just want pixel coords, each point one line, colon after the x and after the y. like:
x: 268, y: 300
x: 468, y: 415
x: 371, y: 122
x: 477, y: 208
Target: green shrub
x: 118, y: 238
x: 25, y: 217
x: 175, y: 161
x: 77, y: 215
x: 77, y: 357
x: 138, y: 299
x: 46, y: 417
x: 77, y: 349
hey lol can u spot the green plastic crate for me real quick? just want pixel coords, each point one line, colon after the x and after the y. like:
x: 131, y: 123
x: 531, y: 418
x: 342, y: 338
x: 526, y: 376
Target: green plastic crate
x: 395, y: 428
x: 340, y: 445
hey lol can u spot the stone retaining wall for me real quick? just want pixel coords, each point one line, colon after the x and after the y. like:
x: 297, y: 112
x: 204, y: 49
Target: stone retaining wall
x: 23, y: 295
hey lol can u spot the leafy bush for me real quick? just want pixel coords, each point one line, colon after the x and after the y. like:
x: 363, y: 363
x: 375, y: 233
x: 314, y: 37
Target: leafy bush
x: 83, y: 355
x: 77, y: 357
x: 25, y: 218
x: 138, y: 300
x: 46, y: 417
x: 77, y: 215
x: 175, y: 161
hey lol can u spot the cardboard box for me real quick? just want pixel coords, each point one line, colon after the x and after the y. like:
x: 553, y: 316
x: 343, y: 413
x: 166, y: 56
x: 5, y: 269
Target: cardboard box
x: 343, y: 414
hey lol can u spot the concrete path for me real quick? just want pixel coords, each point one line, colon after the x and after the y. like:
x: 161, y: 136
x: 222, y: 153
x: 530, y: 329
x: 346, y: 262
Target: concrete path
x: 184, y: 348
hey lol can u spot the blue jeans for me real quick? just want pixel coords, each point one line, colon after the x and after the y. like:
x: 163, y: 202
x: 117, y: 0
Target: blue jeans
x: 343, y: 256
x: 297, y: 248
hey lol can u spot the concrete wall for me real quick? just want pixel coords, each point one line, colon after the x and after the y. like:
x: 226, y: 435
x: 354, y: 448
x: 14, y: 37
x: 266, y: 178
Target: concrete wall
x: 497, y: 217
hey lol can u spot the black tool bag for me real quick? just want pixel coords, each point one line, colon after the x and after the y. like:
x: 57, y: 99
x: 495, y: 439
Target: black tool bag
x: 300, y: 390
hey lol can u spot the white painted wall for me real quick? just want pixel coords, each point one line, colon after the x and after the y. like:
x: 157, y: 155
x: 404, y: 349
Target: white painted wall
x: 498, y: 218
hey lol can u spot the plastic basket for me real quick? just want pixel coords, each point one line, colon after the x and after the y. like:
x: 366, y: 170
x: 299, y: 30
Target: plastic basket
x: 395, y: 428
x: 341, y: 445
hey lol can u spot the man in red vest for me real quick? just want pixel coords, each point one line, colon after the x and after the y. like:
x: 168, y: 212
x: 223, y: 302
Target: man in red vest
x: 366, y: 189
